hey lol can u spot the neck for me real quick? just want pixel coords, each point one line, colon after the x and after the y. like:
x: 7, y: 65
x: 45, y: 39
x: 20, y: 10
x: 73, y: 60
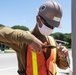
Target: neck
x: 37, y: 34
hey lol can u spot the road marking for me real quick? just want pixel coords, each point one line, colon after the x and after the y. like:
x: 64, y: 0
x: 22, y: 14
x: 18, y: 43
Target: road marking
x: 8, y: 68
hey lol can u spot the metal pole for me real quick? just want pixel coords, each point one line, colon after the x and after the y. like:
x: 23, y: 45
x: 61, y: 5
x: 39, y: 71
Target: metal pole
x: 74, y: 35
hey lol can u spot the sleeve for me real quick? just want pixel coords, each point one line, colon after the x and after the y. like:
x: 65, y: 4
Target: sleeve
x: 62, y: 62
x: 8, y: 35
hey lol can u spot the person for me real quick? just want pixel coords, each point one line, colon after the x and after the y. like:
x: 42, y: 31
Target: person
x: 37, y: 52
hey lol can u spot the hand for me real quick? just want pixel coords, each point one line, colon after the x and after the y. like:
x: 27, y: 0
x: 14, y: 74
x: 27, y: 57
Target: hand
x: 36, y: 45
x: 62, y: 51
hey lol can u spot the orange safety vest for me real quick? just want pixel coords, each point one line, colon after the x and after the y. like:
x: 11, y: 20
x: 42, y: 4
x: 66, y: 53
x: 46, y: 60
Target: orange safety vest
x: 36, y: 63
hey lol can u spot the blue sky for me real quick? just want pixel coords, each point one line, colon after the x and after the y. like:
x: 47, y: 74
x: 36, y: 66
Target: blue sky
x: 23, y: 12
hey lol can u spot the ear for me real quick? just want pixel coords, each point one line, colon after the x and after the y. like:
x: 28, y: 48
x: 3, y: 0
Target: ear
x: 39, y: 20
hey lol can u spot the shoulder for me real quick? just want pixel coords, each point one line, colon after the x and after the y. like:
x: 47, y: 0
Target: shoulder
x: 51, y: 37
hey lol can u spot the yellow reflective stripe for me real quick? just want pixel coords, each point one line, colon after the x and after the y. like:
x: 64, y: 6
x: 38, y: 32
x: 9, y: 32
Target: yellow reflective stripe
x: 54, y: 60
x: 34, y: 63
x: 54, y: 49
x: 54, y: 55
x: 54, y: 66
x: 54, y: 70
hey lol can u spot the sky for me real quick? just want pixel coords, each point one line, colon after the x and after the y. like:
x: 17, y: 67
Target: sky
x: 23, y: 12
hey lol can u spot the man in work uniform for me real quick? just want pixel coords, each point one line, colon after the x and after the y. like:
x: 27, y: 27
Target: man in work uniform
x: 49, y: 16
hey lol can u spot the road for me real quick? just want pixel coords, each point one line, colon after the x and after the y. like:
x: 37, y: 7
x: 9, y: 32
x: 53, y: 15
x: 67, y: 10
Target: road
x: 8, y: 64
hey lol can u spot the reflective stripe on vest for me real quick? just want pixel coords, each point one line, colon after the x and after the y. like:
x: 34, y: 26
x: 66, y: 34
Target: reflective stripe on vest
x: 52, y: 59
x: 34, y: 63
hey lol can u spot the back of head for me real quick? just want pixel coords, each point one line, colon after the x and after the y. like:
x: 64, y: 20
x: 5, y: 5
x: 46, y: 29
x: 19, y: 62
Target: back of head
x: 51, y: 11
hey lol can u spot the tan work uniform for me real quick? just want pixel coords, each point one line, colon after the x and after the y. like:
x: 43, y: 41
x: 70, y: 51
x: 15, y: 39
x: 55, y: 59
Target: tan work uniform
x: 18, y: 41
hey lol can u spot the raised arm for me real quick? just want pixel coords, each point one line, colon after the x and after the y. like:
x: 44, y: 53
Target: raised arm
x: 8, y: 35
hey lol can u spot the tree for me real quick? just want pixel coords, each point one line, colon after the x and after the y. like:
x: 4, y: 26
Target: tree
x: 63, y: 37
x: 58, y: 36
x: 20, y: 27
x: 1, y: 25
x: 68, y: 39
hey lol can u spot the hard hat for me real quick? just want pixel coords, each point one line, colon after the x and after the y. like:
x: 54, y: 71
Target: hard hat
x: 51, y: 11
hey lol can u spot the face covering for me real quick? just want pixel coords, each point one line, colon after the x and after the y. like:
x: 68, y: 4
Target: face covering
x: 44, y: 30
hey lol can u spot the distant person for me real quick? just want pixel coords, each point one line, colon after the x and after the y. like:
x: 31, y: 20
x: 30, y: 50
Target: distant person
x: 33, y: 57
